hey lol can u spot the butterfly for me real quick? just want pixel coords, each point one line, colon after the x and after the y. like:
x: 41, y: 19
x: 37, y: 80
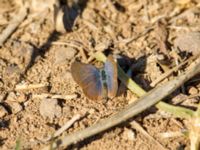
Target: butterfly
x: 96, y: 83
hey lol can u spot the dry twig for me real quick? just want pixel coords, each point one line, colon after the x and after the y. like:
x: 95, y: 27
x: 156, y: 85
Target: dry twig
x: 67, y: 125
x: 29, y: 86
x: 168, y: 73
x: 171, y: 134
x: 129, y: 40
x: 45, y: 95
x: 137, y: 126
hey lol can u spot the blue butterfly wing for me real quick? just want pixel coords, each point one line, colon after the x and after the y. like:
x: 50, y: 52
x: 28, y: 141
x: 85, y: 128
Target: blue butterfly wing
x: 88, y: 77
x: 111, y: 72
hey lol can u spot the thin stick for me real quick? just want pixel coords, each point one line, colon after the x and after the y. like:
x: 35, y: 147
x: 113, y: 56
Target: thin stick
x: 137, y: 126
x: 129, y: 111
x: 129, y: 40
x: 29, y: 86
x: 54, y: 96
x: 168, y: 73
x: 13, y: 25
x: 171, y: 134
x: 67, y: 125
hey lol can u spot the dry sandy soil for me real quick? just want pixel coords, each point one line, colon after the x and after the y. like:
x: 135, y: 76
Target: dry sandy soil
x: 144, y: 33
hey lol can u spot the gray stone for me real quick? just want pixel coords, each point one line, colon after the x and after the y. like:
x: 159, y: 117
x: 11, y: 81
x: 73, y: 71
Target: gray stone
x: 49, y: 108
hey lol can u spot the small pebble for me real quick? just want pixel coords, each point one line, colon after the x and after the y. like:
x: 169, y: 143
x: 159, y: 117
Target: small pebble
x: 189, y: 42
x: 11, y: 97
x: 91, y: 111
x: 62, y: 54
x: 15, y: 106
x: 16, y: 97
x: 49, y: 108
x: 1, y: 98
x: 192, y: 90
x: 132, y: 99
x: 3, y: 111
x: 67, y: 111
x: 12, y: 70
x: 129, y: 134
x: 21, y: 97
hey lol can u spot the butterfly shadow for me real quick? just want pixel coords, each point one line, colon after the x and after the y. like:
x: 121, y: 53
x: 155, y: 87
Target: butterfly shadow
x: 134, y: 68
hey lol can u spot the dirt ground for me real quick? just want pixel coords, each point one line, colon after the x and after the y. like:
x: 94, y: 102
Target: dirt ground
x: 40, y: 51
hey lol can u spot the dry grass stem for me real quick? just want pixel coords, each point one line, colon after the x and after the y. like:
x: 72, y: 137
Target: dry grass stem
x: 67, y: 125
x: 45, y: 95
x: 138, y: 127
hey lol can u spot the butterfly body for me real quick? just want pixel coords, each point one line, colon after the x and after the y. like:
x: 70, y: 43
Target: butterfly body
x: 96, y: 83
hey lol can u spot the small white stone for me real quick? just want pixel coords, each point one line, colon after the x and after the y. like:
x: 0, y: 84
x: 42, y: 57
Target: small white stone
x: 129, y: 134
x: 15, y: 106
x: 3, y: 111
x: 62, y: 54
